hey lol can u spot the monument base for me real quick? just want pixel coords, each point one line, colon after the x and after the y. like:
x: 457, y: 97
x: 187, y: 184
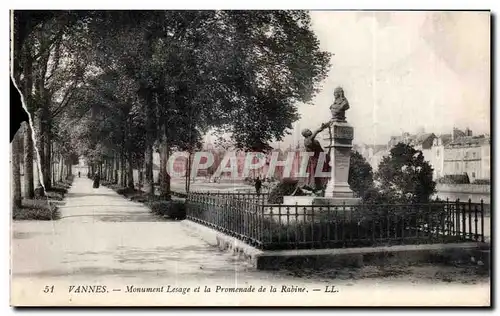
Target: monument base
x: 303, y: 209
x: 319, y: 200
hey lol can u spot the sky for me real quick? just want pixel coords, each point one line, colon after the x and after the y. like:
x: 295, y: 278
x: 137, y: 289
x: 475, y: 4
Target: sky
x: 403, y: 71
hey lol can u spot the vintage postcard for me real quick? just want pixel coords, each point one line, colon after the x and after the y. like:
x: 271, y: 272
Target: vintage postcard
x: 250, y: 158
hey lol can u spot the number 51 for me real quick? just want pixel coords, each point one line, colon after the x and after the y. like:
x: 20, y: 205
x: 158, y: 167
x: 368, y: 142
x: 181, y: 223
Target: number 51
x: 48, y: 289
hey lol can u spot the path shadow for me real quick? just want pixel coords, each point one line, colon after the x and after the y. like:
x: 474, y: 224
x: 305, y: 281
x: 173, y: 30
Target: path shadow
x: 72, y: 194
x: 120, y: 217
x: 105, y: 205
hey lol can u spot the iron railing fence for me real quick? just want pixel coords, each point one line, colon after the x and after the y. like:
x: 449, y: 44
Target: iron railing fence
x: 279, y: 226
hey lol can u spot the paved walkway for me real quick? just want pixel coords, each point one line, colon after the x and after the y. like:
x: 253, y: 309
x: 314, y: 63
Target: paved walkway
x: 103, y: 238
x: 102, y: 233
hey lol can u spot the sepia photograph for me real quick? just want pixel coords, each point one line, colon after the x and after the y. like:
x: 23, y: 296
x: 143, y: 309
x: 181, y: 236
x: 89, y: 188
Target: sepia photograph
x: 192, y: 158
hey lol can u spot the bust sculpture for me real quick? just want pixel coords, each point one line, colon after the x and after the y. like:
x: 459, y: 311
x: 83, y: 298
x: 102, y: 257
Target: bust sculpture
x: 339, y: 106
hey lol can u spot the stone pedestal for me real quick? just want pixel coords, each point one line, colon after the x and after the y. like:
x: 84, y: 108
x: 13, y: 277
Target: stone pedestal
x: 339, y: 144
x: 313, y: 208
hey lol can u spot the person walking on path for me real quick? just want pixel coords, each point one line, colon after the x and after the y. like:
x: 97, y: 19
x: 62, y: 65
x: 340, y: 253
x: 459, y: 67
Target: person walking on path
x: 258, y: 185
x: 78, y: 174
x: 97, y: 178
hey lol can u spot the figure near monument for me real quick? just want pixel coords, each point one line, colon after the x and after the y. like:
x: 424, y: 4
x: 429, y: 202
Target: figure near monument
x: 312, y: 145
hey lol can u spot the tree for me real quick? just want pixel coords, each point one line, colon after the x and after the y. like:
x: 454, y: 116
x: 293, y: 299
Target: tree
x: 228, y: 70
x: 48, y: 64
x: 16, y: 172
x: 405, y: 175
x: 132, y: 79
x: 360, y: 174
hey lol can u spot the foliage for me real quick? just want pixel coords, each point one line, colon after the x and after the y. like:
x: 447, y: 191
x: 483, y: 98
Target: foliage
x: 454, y: 179
x: 36, y: 210
x: 482, y: 181
x: 287, y: 186
x: 360, y: 174
x: 174, y: 209
x: 107, y: 85
x: 405, y: 175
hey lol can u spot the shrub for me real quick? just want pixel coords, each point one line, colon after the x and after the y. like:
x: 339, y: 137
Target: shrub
x: 406, y: 175
x: 482, y: 181
x: 36, y: 210
x: 179, y: 194
x: 125, y: 191
x: 360, y: 174
x: 373, y: 196
x: 173, y: 209
x: 106, y: 183
x: 454, y: 179
x: 69, y: 180
x: 286, y: 187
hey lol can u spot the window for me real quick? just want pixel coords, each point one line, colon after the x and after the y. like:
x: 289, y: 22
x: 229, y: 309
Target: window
x: 474, y: 155
x: 456, y: 166
x: 473, y: 174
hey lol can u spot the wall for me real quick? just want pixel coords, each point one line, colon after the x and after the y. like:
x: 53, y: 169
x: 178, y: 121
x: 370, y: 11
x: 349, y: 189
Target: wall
x: 475, y: 192
x: 460, y: 160
x: 485, y: 161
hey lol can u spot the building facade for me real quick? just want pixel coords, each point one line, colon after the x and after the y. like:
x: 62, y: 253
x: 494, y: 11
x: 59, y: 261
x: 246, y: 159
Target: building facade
x: 468, y: 155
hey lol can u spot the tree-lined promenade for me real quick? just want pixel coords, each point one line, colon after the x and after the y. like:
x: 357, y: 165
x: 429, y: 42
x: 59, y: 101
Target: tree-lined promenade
x: 115, y: 86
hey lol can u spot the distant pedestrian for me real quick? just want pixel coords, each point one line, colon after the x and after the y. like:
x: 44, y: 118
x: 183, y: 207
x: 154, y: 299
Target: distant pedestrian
x: 97, y: 179
x: 78, y: 174
x: 258, y: 185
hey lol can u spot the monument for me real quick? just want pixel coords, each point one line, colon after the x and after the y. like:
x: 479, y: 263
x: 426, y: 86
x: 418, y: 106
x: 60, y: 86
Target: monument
x: 337, y: 136
x: 340, y: 136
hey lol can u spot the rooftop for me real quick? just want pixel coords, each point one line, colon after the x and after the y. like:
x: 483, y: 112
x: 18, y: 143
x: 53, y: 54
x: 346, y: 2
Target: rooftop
x: 470, y: 141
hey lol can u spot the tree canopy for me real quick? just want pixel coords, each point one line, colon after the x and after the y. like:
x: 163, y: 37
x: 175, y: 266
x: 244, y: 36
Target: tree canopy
x: 405, y: 175
x: 113, y: 86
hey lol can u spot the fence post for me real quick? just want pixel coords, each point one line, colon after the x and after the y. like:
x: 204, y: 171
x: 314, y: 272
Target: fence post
x: 261, y: 228
x: 279, y: 224
x: 476, y: 235
x: 464, y: 218
x: 296, y: 224
x: 448, y: 217
x: 469, y: 213
x: 312, y: 226
x: 482, y: 221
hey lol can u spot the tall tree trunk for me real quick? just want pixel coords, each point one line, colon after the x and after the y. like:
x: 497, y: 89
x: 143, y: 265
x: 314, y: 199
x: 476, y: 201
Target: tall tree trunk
x: 111, y: 168
x: 122, y: 166
x: 148, y: 168
x: 105, y: 167
x: 16, y: 172
x: 41, y: 149
x: 164, y: 175
x: 130, y: 172
x: 47, y: 163
x: 188, y: 173
x: 61, y: 168
x: 29, y: 185
x: 150, y: 138
x: 53, y: 164
x: 108, y: 169
x: 140, y: 175
x: 117, y: 169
